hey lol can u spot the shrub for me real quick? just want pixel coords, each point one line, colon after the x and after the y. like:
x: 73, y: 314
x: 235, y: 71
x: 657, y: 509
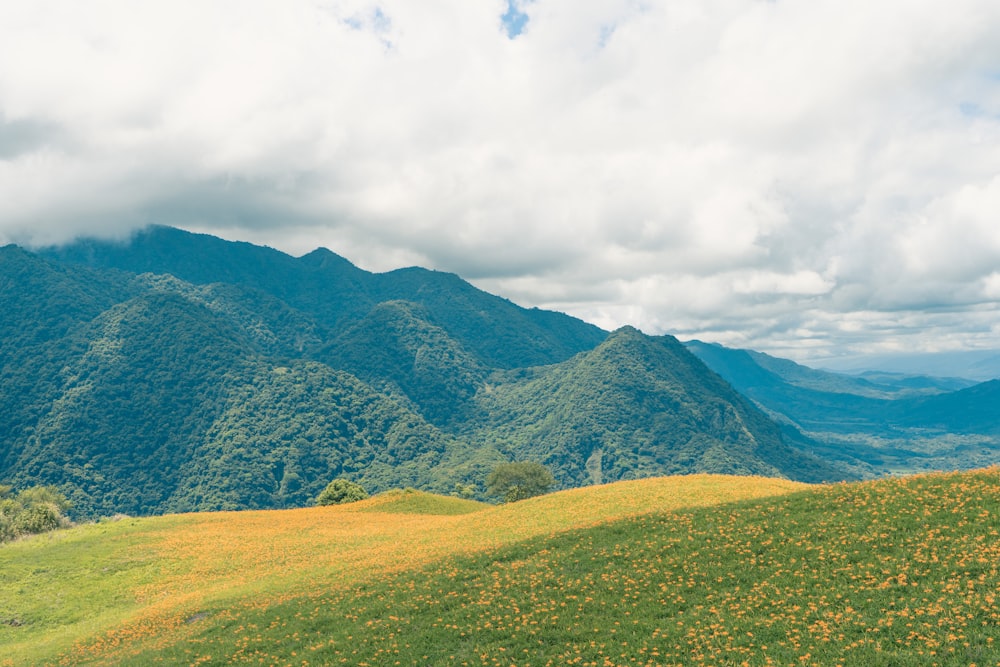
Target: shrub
x: 519, y: 480
x: 34, y: 510
x: 37, y: 519
x: 341, y: 491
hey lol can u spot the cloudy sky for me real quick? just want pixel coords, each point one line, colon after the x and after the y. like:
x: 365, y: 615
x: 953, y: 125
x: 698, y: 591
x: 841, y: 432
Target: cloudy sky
x: 812, y: 178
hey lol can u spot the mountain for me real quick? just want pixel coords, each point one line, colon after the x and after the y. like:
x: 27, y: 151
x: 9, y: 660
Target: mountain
x: 336, y: 294
x: 876, y: 422
x: 971, y: 410
x: 975, y: 365
x: 758, y: 372
x: 399, y: 348
x: 179, y: 372
x: 636, y: 406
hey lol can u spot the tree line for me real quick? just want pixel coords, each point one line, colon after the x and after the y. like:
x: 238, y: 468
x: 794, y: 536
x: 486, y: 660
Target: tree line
x: 509, y: 482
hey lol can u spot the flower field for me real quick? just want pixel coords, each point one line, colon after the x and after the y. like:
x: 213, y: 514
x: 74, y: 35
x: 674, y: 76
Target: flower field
x: 697, y: 570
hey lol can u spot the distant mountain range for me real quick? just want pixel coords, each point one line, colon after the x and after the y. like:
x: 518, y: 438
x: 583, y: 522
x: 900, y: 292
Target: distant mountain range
x: 876, y: 422
x: 975, y: 365
x: 179, y: 372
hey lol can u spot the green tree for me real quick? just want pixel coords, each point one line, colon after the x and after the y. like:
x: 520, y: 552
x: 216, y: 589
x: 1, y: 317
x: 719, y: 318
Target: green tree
x: 519, y: 480
x: 467, y: 491
x: 341, y: 491
x: 44, y: 496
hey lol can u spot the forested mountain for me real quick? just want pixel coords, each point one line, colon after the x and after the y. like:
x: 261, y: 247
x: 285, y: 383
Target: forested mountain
x: 177, y: 372
x: 877, y: 422
x: 635, y: 406
x: 336, y: 294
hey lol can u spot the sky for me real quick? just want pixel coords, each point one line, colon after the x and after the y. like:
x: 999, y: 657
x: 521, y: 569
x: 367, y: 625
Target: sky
x: 816, y: 179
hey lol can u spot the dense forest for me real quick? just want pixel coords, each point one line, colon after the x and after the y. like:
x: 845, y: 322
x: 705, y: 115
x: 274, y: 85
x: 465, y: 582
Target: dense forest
x: 178, y: 372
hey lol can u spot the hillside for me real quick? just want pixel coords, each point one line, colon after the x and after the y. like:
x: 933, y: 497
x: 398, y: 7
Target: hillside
x: 179, y: 372
x: 139, y: 580
x: 632, y: 407
x: 396, y: 346
x: 335, y: 293
x: 682, y: 570
x: 874, y: 423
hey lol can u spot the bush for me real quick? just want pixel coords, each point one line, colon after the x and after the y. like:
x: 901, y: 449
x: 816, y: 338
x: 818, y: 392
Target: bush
x: 37, y: 519
x: 341, y: 491
x: 35, y: 510
x: 519, y: 480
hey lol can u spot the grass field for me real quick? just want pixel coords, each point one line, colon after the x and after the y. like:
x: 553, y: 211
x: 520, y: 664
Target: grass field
x: 686, y: 570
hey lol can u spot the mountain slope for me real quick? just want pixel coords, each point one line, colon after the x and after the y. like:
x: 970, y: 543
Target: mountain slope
x: 129, y: 408
x: 500, y: 333
x: 398, y: 348
x: 752, y: 371
x: 283, y: 432
x: 109, y: 587
x: 167, y: 401
x: 337, y: 294
x: 692, y: 570
x: 180, y: 372
x: 43, y: 306
x: 876, y: 423
x: 972, y: 410
x: 637, y: 406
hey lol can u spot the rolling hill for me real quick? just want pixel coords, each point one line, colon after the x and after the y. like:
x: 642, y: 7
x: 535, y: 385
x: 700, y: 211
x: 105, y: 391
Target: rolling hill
x: 682, y: 570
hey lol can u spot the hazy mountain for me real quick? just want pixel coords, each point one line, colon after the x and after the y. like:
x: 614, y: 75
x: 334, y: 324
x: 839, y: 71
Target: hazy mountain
x: 975, y: 365
x: 972, y: 410
x: 749, y: 370
x: 878, y: 422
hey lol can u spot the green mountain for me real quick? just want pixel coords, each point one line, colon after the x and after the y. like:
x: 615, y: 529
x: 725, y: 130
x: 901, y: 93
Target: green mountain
x: 635, y: 406
x: 181, y: 372
x: 874, y: 423
x: 42, y: 305
x: 336, y: 294
x: 398, y: 348
x: 971, y: 410
x: 125, y: 408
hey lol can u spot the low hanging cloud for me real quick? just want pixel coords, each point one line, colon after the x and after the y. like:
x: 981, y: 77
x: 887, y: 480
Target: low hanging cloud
x: 811, y: 179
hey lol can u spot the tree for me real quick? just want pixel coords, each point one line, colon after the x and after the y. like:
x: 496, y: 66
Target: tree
x: 341, y: 491
x: 467, y: 491
x: 519, y: 480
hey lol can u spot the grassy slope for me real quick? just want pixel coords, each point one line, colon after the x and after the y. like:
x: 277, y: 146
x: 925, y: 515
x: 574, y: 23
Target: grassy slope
x: 141, y: 578
x: 668, y: 571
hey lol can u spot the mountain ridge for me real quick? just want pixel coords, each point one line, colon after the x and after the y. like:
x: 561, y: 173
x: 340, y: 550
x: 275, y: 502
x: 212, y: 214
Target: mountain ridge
x: 179, y: 371
x: 878, y: 423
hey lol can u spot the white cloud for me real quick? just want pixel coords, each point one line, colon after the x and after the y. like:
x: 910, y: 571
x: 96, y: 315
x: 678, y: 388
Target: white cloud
x: 758, y: 172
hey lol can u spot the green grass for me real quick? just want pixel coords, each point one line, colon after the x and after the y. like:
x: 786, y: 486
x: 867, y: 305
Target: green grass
x: 894, y: 572
x: 102, y: 593
x: 411, y: 501
x: 64, y: 586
